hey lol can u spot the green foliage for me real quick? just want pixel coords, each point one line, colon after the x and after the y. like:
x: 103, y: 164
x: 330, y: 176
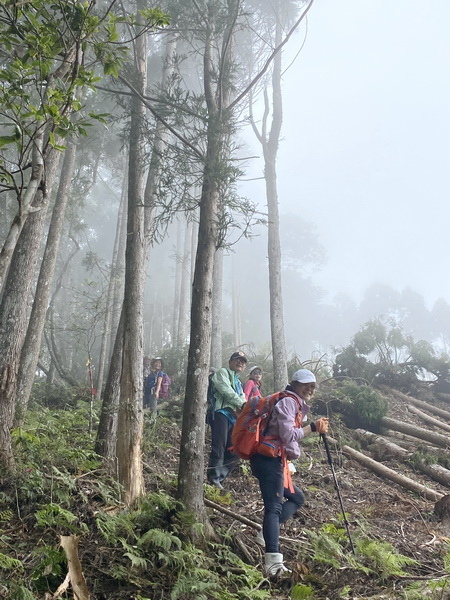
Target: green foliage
x: 7, y: 563
x: 45, y: 49
x: 381, y: 352
x: 364, y: 405
x: 52, y: 515
x: 300, y: 591
x: 382, y: 558
x: 330, y: 546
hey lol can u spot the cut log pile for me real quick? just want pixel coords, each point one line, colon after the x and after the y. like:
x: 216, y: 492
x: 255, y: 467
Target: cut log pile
x: 426, y: 428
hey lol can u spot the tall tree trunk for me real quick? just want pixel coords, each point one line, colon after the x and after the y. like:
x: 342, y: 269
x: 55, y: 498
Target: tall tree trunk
x: 216, y: 328
x: 26, y: 205
x: 106, y: 333
x: 130, y: 420
x: 236, y: 308
x: 33, y: 339
x: 185, y: 293
x: 177, y: 291
x: 14, y: 307
x: 191, y: 470
x: 106, y: 441
x: 270, y: 150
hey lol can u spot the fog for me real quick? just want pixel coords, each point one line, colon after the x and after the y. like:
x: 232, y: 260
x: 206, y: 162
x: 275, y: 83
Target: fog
x: 366, y: 141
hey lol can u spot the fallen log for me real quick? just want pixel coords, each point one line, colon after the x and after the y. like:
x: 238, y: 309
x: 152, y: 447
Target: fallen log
x: 435, y: 471
x: 384, y: 445
x: 419, y: 403
x: 442, y: 441
x: 427, y: 418
x: 388, y: 473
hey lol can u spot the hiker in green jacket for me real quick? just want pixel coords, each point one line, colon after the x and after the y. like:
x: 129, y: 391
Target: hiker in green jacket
x: 229, y: 401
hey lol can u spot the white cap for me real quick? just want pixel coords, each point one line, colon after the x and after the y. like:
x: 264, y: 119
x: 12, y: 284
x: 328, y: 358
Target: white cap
x: 304, y: 376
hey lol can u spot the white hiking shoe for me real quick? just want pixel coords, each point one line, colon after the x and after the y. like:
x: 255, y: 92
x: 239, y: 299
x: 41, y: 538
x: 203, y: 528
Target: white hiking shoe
x: 274, y: 566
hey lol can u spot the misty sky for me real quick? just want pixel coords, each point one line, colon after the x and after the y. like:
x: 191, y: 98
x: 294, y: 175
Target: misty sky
x: 366, y: 142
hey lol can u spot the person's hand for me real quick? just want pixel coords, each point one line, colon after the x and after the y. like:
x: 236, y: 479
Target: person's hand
x: 322, y: 425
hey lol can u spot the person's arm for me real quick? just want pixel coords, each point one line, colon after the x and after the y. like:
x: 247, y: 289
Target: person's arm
x: 248, y: 388
x: 222, y: 384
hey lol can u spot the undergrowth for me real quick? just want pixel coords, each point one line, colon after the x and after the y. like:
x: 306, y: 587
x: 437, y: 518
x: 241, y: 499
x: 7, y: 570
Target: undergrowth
x: 142, y: 552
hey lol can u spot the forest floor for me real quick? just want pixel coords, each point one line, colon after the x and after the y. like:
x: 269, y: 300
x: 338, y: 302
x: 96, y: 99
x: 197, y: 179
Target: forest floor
x: 316, y: 543
x: 402, y: 549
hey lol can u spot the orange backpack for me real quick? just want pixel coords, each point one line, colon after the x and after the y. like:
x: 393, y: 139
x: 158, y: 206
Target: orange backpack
x: 248, y: 431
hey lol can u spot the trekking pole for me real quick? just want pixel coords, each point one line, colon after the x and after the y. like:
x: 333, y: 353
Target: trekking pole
x: 336, y: 485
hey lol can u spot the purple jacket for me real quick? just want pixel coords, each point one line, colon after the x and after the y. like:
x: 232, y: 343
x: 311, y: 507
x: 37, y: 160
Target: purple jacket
x: 282, y: 424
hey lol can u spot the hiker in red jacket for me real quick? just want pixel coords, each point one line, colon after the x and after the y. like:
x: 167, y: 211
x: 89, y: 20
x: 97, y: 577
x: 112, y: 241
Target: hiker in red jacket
x: 287, y: 426
x: 252, y: 387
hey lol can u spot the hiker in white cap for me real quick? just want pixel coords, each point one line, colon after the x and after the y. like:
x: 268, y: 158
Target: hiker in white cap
x: 287, y: 426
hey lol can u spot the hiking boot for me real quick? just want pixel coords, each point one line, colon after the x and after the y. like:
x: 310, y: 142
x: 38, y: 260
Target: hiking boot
x: 274, y: 566
x: 259, y: 539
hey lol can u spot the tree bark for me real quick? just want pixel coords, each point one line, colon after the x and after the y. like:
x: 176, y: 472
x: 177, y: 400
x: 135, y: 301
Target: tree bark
x: 130, y: 419
x: 191, y: 470
x: 383, y: 446
x: 106, y: 441
x: 113, y: 282
x: 185, y: 294
x: 33, y: 339
x: 419, y: 432
x: 14, y: 309
x: 426, y: 406
x: 428, y: 419
x: 216, y: 324
x: 384, y: 471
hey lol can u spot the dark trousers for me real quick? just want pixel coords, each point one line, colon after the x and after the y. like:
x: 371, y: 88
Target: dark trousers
x: 221, y: 460
x: 279, y: 503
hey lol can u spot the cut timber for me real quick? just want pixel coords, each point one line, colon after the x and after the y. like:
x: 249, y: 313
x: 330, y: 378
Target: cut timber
x: 427, y: 418
x: 436, y: 472
x: 401, y: 480
x: 419, y: 403
x: 383, y: 445
x: 419, y: 432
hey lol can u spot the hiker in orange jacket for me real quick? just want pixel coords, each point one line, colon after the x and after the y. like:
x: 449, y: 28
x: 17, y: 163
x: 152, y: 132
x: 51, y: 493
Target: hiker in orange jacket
x: 280, y: 503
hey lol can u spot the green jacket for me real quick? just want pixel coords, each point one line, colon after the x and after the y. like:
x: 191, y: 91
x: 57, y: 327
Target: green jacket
x: 224, y: 390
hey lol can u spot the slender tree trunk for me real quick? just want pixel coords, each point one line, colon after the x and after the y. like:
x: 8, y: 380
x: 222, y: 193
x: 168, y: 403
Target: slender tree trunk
x: 236, y: 307
x: 216, y: 332
x: 130, y: 421
x: 274, y: 245
x: 26, y: 205
x: 14, y: 307
x: 185, y: 293
x: 119, y: 273
x: 33, y: 340
x: 177, y: 291
x: 106, y: 334
x: 191, y: 470
x: 106, y: 441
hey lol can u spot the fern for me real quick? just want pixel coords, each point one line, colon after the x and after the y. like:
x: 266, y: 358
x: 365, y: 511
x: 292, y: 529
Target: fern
x: 7, y: 563
x: 52, y: 515
x: 157, y: 538
x: 301, y: 591
x: 5, y: 516
x: 20, y: 592
x: 384, y: 559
